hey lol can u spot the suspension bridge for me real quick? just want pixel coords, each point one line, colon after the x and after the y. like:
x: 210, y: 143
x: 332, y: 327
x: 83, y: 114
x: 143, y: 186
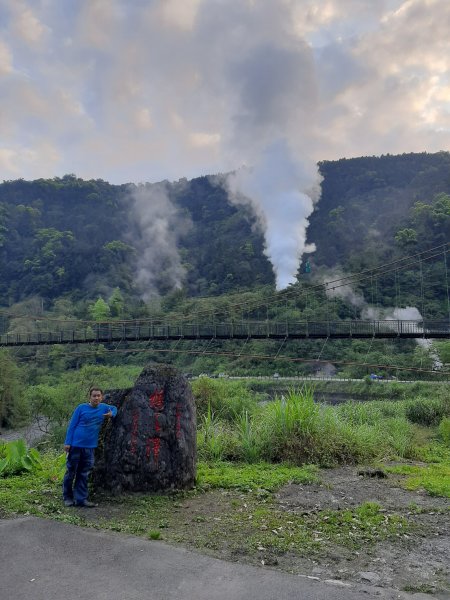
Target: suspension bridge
x: 145, y: 331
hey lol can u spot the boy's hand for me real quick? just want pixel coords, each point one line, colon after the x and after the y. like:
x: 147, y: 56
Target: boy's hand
x: 66, y: 447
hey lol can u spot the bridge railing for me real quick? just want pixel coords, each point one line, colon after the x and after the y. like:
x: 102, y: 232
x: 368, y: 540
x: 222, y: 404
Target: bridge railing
x: 104, y: 332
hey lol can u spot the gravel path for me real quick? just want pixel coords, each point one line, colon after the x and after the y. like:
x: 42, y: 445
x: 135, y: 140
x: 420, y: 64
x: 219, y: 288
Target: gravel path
x: 31, y: 433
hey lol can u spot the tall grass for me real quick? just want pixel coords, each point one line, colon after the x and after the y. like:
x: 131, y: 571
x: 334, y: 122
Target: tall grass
x: 428, y: 411
x: 213, y: 437
x: 298, y: 430
x: 227, y: 399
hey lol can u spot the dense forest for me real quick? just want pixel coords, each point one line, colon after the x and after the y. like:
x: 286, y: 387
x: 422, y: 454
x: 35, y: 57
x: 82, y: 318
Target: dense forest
x: 66, y: 237
x: 74, y: 239
x: 373, y: 207
x: 75, y: 249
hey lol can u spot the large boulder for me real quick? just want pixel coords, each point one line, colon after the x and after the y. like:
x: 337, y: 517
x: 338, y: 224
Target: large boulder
x: 151, y: 444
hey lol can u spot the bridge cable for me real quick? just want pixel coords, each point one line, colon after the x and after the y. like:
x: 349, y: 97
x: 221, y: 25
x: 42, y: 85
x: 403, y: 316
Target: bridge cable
x: 340, y: 283
x: 422, y: 295
x: 446, y: 283
x: 322, y: 349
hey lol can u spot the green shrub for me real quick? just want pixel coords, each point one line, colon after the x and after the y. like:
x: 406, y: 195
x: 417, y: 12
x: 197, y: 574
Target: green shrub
x: 13, y: 407
x: 299, y: 430
x: 444, y: 431
x: 227, y: 399
x: 427, y: 412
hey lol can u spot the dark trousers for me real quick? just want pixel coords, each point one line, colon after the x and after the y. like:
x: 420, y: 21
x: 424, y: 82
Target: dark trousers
x: 79, y: 464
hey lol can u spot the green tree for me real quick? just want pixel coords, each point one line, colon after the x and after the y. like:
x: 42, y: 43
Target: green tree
x: 100, y: 310
x: 116, y: 303
x: 406, y: 237
x: 12, y: 406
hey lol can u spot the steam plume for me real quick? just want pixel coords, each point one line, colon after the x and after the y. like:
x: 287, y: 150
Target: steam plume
x: 157, y: 228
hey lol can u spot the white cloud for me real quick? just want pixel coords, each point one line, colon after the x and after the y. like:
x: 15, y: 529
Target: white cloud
x: 15, y: 160
x: 332, y: 78
x: 139, y: 91
x: 26, y: 26
x: 6, y: 59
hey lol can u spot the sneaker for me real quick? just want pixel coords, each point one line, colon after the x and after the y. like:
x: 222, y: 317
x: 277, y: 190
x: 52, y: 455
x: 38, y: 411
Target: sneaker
x: 86, y: 504
x: 68, y: 502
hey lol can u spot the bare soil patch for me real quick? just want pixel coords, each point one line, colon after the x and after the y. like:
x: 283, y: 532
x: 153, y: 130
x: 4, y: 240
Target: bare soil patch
x: 226, y: 524
x: 416, y: 561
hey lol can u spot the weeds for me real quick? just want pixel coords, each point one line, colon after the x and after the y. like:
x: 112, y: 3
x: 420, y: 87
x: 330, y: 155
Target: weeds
x: 242, y: 476
x: 213, y: 437
x: 444, y: 431
x: 297, y: 429
x: 434, y: 478
x: 227, y: 399
x: 248, y: 439
x: 428, y: 412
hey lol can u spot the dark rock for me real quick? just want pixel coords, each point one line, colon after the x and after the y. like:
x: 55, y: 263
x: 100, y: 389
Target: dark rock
x: 151, y: 444
x: 372, y: 473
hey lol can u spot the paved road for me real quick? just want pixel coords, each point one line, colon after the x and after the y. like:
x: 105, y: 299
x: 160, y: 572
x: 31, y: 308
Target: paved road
x: 47, y: 560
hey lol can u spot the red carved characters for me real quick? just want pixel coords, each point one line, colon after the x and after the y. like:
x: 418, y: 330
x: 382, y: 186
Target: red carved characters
x: 156, y: 400
x: 157, y: 425
x: 152, y: 444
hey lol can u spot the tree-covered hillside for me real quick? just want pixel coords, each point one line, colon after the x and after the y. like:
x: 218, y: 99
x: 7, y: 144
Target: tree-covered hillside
x: 373, y: 207
x: 74, y: 238
x: 68, y: 242
x: 72, y: 250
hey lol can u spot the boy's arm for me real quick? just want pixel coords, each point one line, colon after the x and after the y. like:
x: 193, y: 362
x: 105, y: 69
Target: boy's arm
x: 111, y: 410
x: 71, y: 428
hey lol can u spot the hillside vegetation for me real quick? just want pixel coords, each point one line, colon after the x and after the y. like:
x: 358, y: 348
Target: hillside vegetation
x: 73, y: 249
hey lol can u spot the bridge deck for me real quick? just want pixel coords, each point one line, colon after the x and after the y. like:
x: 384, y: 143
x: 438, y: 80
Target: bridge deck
x: 145, y: 330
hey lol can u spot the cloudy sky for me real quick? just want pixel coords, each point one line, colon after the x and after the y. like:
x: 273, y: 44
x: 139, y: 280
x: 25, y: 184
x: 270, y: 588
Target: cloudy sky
x: 148, y: 90
x: 143, y: 90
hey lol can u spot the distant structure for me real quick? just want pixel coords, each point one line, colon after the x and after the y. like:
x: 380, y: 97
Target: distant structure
x: 151, y: 443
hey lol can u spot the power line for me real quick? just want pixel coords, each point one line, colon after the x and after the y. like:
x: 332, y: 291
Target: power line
x: 367, y: 274
x: 234, y: 355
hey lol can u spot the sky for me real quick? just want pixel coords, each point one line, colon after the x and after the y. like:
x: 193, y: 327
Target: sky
x: 134, y: 90
x: 148, y: 90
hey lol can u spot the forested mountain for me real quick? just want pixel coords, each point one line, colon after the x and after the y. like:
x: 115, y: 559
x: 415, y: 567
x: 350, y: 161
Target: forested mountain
x: 372, y: 207
x: 65, y: 238
x: 69, y: 237
x: 73, y: 249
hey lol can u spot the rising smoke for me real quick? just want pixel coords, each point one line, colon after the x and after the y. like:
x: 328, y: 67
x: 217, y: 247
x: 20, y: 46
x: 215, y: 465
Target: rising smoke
x: 157, y: 229
x: 385, y: 313
x: 275, y: 97
x: 276, y: 189
x: 243, y: 82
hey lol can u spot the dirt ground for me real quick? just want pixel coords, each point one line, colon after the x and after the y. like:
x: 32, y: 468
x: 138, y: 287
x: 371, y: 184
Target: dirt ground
x: 416, y: 561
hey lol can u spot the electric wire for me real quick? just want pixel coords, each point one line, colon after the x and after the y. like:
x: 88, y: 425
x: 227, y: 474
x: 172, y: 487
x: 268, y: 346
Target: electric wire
x: 247, y: 356
x: 272, y: 299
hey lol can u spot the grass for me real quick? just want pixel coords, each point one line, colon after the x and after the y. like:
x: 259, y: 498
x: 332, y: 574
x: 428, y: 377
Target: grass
x: 434, y: 478
x: 233, y: 512
x: 434, y: 475
x: 252, y: 477
x: 282, y: 531
x: 294, y: 428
